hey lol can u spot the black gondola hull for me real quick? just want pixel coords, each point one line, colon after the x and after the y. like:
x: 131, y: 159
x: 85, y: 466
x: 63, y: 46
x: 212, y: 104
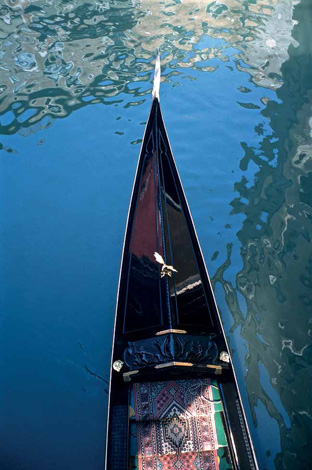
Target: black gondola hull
x: 167, y: 325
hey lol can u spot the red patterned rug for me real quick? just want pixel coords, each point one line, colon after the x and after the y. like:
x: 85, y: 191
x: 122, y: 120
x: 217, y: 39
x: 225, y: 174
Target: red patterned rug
x: 175, y: 425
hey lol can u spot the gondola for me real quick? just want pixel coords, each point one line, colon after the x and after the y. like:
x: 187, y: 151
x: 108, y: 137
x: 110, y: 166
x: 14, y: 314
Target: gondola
x: 174, y: 402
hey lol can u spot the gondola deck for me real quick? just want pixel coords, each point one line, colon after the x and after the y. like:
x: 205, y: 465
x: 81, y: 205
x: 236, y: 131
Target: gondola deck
x: 177, y: 424
x: 169, y: 346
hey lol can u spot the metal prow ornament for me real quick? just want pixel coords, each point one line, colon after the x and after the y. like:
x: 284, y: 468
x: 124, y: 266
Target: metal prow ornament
x: 165, y: 269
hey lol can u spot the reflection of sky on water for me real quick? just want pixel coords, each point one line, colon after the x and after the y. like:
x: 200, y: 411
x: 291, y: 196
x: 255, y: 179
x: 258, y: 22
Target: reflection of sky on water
x: 236, y: 101
x: 55, y: 56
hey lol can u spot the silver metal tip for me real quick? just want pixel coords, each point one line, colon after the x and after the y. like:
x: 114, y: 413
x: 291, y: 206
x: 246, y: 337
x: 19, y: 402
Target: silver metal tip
x: 156, y: 84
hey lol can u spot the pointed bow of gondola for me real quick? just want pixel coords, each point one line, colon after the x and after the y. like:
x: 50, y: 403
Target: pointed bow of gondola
x: 169, y: 345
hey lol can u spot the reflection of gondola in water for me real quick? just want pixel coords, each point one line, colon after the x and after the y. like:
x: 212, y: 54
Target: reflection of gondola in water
x: 174, y: 400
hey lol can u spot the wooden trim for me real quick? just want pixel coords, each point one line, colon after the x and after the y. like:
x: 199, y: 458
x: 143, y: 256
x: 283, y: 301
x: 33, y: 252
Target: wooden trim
x: 212, y: 366
x: 173, y: 363
x: 217, y: 369
x: 164, y: 332
x: 127, y: 375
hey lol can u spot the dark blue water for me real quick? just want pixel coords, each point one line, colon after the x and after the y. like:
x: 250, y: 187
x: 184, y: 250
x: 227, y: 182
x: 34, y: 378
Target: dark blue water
x: 75, y: 82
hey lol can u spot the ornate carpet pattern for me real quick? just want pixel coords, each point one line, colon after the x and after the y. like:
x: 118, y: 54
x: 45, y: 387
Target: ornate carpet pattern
x: 175, y: 425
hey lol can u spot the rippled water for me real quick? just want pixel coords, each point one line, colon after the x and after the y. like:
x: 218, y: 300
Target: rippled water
x: 236, y: 97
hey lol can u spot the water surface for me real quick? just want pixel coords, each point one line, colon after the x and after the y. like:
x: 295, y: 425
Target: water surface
x: 75, y: 83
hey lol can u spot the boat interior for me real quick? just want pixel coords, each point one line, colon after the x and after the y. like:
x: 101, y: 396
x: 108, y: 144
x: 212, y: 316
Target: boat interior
x: 176, y: 414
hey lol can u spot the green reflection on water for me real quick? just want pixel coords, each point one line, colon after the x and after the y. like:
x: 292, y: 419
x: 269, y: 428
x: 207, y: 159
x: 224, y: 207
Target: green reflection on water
x: 276, y: 278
